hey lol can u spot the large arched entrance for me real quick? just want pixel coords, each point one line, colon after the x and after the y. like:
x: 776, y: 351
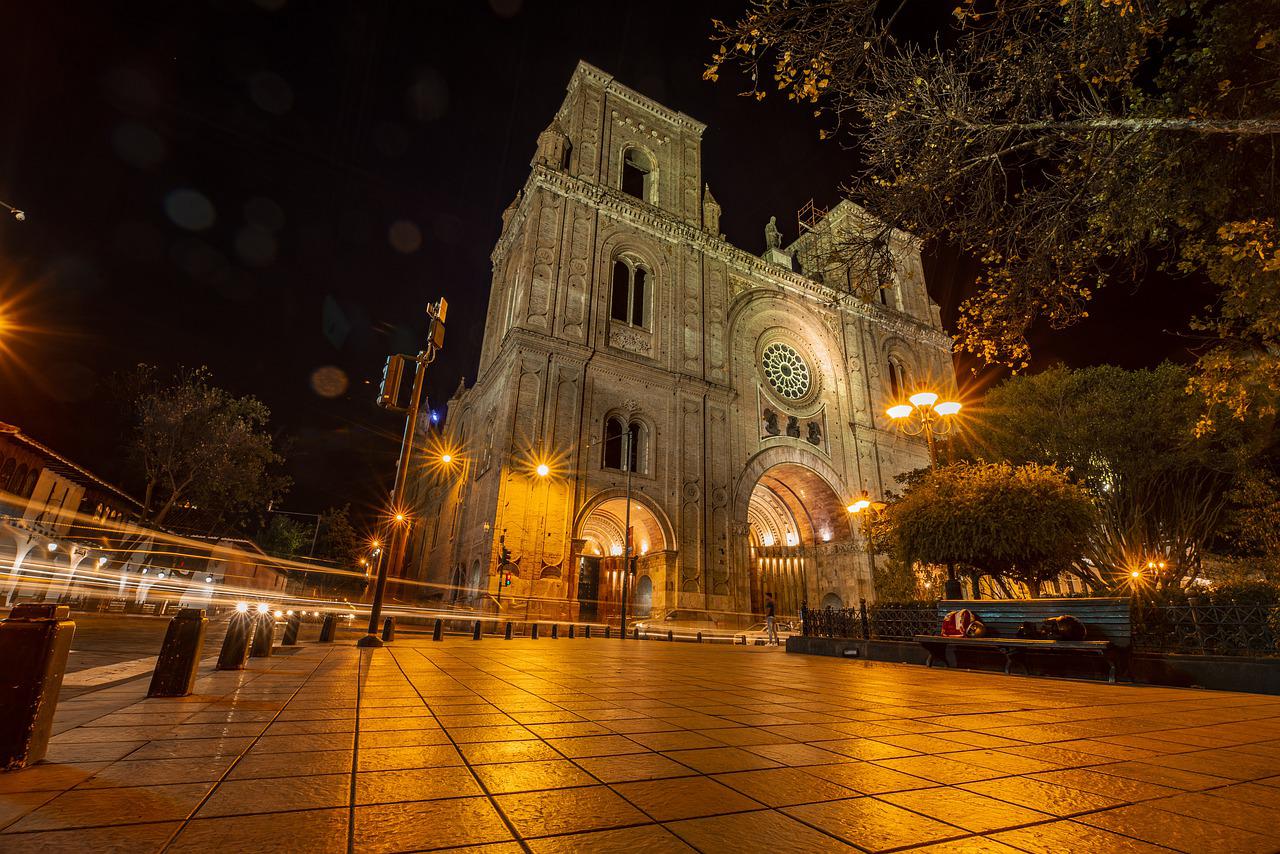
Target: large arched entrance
x: 601, y: 539
x: 802, y: 545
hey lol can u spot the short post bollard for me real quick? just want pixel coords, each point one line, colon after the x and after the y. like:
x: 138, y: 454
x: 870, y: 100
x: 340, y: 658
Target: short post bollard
x: 389, y: 629
x: 475, y: 631
x: 34, y: 642
x: 264, y: 636
x: 235, y: 645
x: 571, y: 631
x: 438, y: 632
x: 555, y: 631
x: 636, y: 633
x: 328, y: 628
x: 699, y: 637
x: 175, y: 673
x: 533, y: 631
x: 608, y: 632
x: 671, y: 635
x: 586, y: 632
x: 507, y: 636
x: 291, y: 627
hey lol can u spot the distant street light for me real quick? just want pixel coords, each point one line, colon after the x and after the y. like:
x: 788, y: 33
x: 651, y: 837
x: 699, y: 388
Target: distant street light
x: 859, y: 508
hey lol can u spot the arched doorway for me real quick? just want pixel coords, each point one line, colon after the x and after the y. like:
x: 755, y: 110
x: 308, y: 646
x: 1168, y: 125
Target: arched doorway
x: 602, y: 536
x: 802, y: 545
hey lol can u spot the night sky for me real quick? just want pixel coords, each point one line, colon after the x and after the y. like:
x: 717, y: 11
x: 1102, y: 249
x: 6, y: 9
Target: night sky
x: 274, y: 187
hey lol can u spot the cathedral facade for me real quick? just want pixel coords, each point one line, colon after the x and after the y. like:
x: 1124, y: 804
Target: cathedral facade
x: 646, y: 389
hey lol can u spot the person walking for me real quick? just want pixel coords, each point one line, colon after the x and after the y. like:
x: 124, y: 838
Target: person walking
x: 770, y: 626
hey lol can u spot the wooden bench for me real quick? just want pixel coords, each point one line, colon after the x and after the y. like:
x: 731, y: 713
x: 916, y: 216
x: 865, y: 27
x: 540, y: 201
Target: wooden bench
x: 1108, y: 631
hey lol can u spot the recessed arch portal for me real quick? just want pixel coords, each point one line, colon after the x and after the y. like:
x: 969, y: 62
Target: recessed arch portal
x: 601, y: 532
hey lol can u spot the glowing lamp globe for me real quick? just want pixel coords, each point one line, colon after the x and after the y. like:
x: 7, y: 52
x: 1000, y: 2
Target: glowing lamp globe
x: 543, y: 470
x: 899, y: 411
x: 950, y: 407
x: 923, y: 398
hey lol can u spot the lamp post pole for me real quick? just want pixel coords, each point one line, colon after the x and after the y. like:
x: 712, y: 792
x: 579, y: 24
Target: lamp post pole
x: 925, y: 415
x: 626, y: 533
x: 400, y: 520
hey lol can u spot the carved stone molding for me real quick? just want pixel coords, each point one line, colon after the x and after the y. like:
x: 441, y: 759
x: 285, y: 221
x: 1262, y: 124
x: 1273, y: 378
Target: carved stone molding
x: 631, y: 340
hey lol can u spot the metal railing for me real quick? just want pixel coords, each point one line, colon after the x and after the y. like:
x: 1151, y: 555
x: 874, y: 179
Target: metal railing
x: 1207, y: 628
x: 890, y: 621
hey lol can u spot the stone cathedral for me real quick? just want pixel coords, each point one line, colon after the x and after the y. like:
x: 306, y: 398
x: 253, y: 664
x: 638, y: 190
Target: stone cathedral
x: 708, y: 411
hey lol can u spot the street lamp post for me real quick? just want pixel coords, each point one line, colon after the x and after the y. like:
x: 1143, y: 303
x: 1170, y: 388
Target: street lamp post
x: 924, y: 415
x: 399, y: 531
x: 626, y: 533
x: 861, y: 508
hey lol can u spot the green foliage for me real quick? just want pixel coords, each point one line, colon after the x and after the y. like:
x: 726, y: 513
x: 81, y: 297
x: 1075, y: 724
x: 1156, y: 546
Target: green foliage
x: 338, y: 539
x: 1127, y: 437
x: 194, y: 444
x: 1247, y: 593
x: 285, y: 537
x: 1062, y: 144
x: 1028, y: 523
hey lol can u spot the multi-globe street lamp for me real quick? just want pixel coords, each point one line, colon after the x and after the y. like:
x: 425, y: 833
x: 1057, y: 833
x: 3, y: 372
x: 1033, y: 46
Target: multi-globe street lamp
x: 925, y: 416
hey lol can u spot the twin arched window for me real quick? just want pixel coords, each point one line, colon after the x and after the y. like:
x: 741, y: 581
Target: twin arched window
x: 623, y: 444
x: 628, y: 301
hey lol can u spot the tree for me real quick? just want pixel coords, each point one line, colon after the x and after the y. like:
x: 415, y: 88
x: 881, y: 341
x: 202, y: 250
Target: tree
x: 339, y: 540
x: 1062, y: 144
x: 194, y: 444
x: 285, y: 537
x: 1127, y: 437
x: 1026, y: 523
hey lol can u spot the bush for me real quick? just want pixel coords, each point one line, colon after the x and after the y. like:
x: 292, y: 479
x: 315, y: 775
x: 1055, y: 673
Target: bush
x: 1246, y: 593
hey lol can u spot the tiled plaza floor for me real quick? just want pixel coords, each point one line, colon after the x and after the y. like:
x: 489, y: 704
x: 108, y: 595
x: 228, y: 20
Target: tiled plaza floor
x: 607, y: 745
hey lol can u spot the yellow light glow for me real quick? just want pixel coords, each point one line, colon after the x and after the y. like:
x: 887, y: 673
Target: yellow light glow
x: 615, y: 550
x: 950, y: 407
x: 446, y: 458
x: 399, y: 517
x: 279, y: 614
x: 242, y: 607
x: 899, y: 411
x: 859, y: 505
x: 377, y: 544
x: 923, y: 398
x: 263, y: 607
x: 1137, y: 573
x: 543, y: 470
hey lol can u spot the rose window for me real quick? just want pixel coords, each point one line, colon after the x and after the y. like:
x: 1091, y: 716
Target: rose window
x: 786, y: 370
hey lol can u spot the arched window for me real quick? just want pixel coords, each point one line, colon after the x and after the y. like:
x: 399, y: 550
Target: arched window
x: 617, y: 445
x: 6, y: 475
x: 628, y: 301
x: 17, y: 482
x: 897, y: 378
x: 637, y: 175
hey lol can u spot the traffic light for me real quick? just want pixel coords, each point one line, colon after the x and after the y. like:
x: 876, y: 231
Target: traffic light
x: 506, y: 579
x: 392, y: 375
x: 506, y: 555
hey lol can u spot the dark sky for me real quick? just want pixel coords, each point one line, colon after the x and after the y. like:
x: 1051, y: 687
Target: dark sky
x: 273, y: 187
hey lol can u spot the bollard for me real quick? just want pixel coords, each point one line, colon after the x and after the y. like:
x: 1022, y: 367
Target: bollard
x: 389, y: 629
x: 699, y: 637
x: 555, y: 631
x: 235, y: 645
x: 533, y: 631
x: 175, y: 673
x: 34, y: 642
x: 586, y: 632
x: 671, y: 635
x: 608, y: 632
x: 636, y: 633
x: 328, y: 628
x: 438, y: 632
x: 475, y: 631
x: 291, y: 627
x: 508, y: 633
x: 264, y: 635
x: 570, y: 631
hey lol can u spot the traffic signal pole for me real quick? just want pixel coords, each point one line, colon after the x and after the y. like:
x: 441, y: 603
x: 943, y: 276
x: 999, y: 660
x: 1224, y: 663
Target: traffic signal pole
x: 400, y: 527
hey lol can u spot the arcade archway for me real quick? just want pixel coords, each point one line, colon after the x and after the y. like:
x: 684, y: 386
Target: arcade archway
x: 601, y: 541
x: 803, y: 546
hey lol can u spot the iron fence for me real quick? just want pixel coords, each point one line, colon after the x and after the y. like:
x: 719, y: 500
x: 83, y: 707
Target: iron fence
x: 1207, y: 628
x: 872, y: 622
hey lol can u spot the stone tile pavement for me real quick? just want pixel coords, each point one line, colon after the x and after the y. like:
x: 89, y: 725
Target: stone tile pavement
x: 606, y: 745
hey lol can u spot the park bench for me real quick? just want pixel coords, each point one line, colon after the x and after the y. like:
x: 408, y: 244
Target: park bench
x: 1108, y: 631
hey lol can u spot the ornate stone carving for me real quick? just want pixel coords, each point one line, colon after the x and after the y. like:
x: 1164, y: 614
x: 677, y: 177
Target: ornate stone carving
x: 631, y: 340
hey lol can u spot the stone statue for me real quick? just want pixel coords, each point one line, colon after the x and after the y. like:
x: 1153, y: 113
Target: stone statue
x: 772, y: 237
